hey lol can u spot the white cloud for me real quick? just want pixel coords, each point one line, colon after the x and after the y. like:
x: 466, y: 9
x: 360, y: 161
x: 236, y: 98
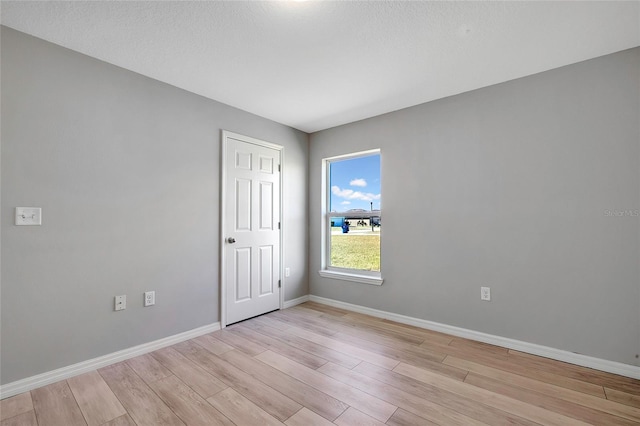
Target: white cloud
x: 358, y: 182
x: 342, y: 193
x: 350, y: 194
x: 346, y: 202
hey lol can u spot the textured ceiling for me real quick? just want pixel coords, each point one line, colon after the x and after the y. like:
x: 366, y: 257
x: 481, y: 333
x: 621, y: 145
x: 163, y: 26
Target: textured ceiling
x: 314, y: 65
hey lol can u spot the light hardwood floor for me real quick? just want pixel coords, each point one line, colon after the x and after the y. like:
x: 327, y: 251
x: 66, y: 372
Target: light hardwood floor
x: 318, y: 365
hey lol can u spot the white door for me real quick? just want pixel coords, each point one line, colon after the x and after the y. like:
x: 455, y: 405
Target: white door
x: 251, y: 228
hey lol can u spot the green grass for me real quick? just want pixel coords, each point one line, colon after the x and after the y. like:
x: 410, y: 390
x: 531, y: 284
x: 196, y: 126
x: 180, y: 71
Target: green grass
x: 356, y: 251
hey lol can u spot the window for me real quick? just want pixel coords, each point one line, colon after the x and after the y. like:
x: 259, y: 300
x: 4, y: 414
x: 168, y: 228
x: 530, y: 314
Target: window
x: 352, y: 221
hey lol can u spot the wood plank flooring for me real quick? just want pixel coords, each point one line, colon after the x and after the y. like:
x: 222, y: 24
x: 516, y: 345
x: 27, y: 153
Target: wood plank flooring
x: 318, y: 365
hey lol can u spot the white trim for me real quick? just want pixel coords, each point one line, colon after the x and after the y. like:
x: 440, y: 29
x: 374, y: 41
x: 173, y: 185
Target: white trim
x: 350, y: 276
x: 33, y: 382
x: 293, y: 302
x: 350, y: 156
x: 282, y: 226
x: 531, y: 348
x: 225, y: 135
x: 223, y: 194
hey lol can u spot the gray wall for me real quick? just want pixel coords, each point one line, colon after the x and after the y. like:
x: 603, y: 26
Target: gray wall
x: 507, y: 187
x: 126, y: 170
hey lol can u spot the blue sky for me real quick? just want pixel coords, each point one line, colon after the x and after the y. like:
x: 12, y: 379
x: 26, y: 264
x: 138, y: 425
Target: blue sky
x: 355, y: 183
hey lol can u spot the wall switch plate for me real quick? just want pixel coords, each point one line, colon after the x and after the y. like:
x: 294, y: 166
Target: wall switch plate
x: 120, y: 303
x: 28, y: 216
x: 287, y: 272
x: 485, y: 293
x: 149, y: 298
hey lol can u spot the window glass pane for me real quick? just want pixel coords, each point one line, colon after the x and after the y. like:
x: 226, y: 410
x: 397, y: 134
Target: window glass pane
x: 358, y: 248
x: 355, y: 194
x: 355, y: 184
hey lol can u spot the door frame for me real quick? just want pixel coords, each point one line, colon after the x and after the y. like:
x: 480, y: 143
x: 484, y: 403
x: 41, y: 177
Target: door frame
x: 225, y: 136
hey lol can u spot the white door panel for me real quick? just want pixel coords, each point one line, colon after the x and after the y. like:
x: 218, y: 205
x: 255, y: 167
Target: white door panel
x: 251, y: 271
x: 243, y: 205
x: 266, y: 270
x: 242, y: 274
x: 266, y: 206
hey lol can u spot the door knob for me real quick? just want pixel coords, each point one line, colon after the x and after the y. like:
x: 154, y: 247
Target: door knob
x: 231, y: 240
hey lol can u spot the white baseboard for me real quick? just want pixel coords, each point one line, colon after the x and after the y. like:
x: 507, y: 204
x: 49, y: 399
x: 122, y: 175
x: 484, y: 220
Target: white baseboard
x: 531, y: 348
x: 294, y: 302
x: 24, y: 385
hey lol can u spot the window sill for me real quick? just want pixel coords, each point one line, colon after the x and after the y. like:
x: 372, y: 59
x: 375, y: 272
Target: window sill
x: 350, y: 276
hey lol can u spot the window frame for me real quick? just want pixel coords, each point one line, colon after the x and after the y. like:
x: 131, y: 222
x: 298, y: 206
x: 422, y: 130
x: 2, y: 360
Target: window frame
x: 326, y: 270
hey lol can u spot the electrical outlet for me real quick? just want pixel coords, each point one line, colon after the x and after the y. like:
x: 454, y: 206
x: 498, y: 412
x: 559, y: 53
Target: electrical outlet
x: 485, y: 293
x: 149, y: 298
x: 287, y: 272
x: 28, y: 216
x: 120, y: 303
